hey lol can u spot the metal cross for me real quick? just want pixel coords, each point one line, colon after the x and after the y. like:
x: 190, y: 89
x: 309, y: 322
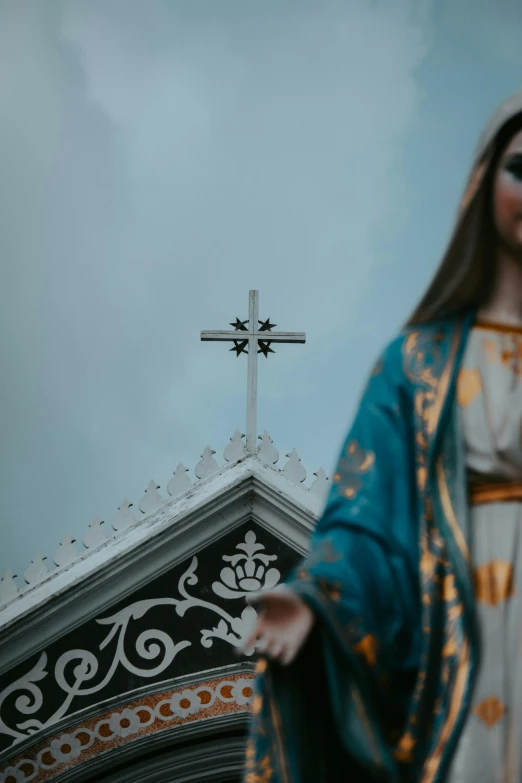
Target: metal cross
x: 255, y: 338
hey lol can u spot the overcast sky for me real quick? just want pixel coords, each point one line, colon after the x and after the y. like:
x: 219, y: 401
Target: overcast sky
x: 159, y: 158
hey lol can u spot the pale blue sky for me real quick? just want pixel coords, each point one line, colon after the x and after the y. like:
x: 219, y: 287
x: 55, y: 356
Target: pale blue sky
x: 159, y: 158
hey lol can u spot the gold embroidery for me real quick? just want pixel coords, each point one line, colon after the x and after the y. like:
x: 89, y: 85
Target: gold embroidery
x: 265, y: 770
x: 426, y: 367
x: 261, y: 665
x: 507, y: 357
x: 422, y: 475
x: 490, y: 711
x: 428, y: 564
x: 511, y: 358
x: 332, y: 590
x: 450, y: 513
x: 469, y: 386
x: 430, y: 371
x: 278, y: 733
x: 355, y: 462
x: 404, y: 750
x: 329, y: 553
x: 449, y: 591
x: 490, y: 350
x: 450, y: 648
x: 368, y: 647
x: 257, y: 704
x: 432, y: 765
x: 494, y: 582
x: 453, y: 648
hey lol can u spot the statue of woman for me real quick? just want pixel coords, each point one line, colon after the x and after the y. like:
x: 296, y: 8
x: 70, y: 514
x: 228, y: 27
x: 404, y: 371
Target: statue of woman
x: 394, y: 651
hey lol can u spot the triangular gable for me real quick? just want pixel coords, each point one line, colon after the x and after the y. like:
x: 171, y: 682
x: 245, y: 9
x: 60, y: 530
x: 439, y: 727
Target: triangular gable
x: 150, y: 616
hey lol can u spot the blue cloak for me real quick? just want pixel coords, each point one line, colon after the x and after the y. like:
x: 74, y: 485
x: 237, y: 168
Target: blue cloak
x: 382, y: 687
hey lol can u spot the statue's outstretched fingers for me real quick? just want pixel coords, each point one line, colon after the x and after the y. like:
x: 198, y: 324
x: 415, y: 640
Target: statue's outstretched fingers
x: 275, y: 646
x: 256, y: 598
x: 252, y: 640
x: 288, y: 654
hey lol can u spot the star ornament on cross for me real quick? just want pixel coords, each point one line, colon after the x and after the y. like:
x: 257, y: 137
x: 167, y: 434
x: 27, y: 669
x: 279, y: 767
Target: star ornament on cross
x: 241, y: 346
x: 252, y: 337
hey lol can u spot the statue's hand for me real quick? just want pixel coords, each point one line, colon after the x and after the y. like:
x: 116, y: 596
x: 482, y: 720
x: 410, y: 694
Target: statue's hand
x: 282, y: 626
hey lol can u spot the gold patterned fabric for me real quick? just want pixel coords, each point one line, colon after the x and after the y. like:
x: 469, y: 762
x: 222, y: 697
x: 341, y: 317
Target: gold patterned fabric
x: 489, y: 393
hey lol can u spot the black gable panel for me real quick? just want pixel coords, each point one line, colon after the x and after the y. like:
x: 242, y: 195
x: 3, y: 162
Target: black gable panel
x: 185, y: 621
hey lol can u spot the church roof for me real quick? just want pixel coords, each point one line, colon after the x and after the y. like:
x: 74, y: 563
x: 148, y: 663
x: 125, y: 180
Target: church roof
x: 140, y: 542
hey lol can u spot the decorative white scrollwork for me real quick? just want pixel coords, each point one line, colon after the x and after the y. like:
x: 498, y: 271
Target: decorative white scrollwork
x: 75, y: 671
x: 28, y: 702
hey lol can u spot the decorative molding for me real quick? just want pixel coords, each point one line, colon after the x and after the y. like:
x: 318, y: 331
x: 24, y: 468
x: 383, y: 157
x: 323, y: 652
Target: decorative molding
x: 98, y: 535
x: 124, y: 518
x: 151, y: 500
x: 67, y: 553
x: 236, y: 449
x: 8, y: 587
x: 95, y: 535
x: 37, y: 571
x: 139, y: 718
x: 207, y: 465
x: 180, y: 482
x: 266, y: 451
x: 217, y: 760
x: 293, y: 470
x: 319, y: 488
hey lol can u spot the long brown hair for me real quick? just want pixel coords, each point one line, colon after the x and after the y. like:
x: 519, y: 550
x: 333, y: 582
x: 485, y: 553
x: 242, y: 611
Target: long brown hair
x: 466, y: 275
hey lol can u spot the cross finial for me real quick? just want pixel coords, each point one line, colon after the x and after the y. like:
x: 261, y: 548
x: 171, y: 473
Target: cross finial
x: 253, y: 337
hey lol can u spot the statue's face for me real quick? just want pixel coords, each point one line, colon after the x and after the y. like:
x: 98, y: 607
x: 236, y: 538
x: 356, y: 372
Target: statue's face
x: 507, y: 197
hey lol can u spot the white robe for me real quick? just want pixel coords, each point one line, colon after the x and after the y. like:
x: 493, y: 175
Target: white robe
x: 490, y: 397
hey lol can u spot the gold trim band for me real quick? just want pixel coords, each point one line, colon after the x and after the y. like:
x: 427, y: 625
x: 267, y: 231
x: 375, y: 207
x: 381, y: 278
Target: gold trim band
x: 496, y: 326
x: 499, y: 492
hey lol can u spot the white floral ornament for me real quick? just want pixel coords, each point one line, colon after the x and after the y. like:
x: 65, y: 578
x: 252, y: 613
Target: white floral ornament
x: 247, y: 572
x: 12, y: 774
x: 124, y: 723
x: 65, y: 748
x: 185, y: 703
x: 238, y: 691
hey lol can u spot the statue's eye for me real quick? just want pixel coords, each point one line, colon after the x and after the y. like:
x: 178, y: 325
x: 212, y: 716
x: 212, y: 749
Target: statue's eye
x: 514, y: 166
